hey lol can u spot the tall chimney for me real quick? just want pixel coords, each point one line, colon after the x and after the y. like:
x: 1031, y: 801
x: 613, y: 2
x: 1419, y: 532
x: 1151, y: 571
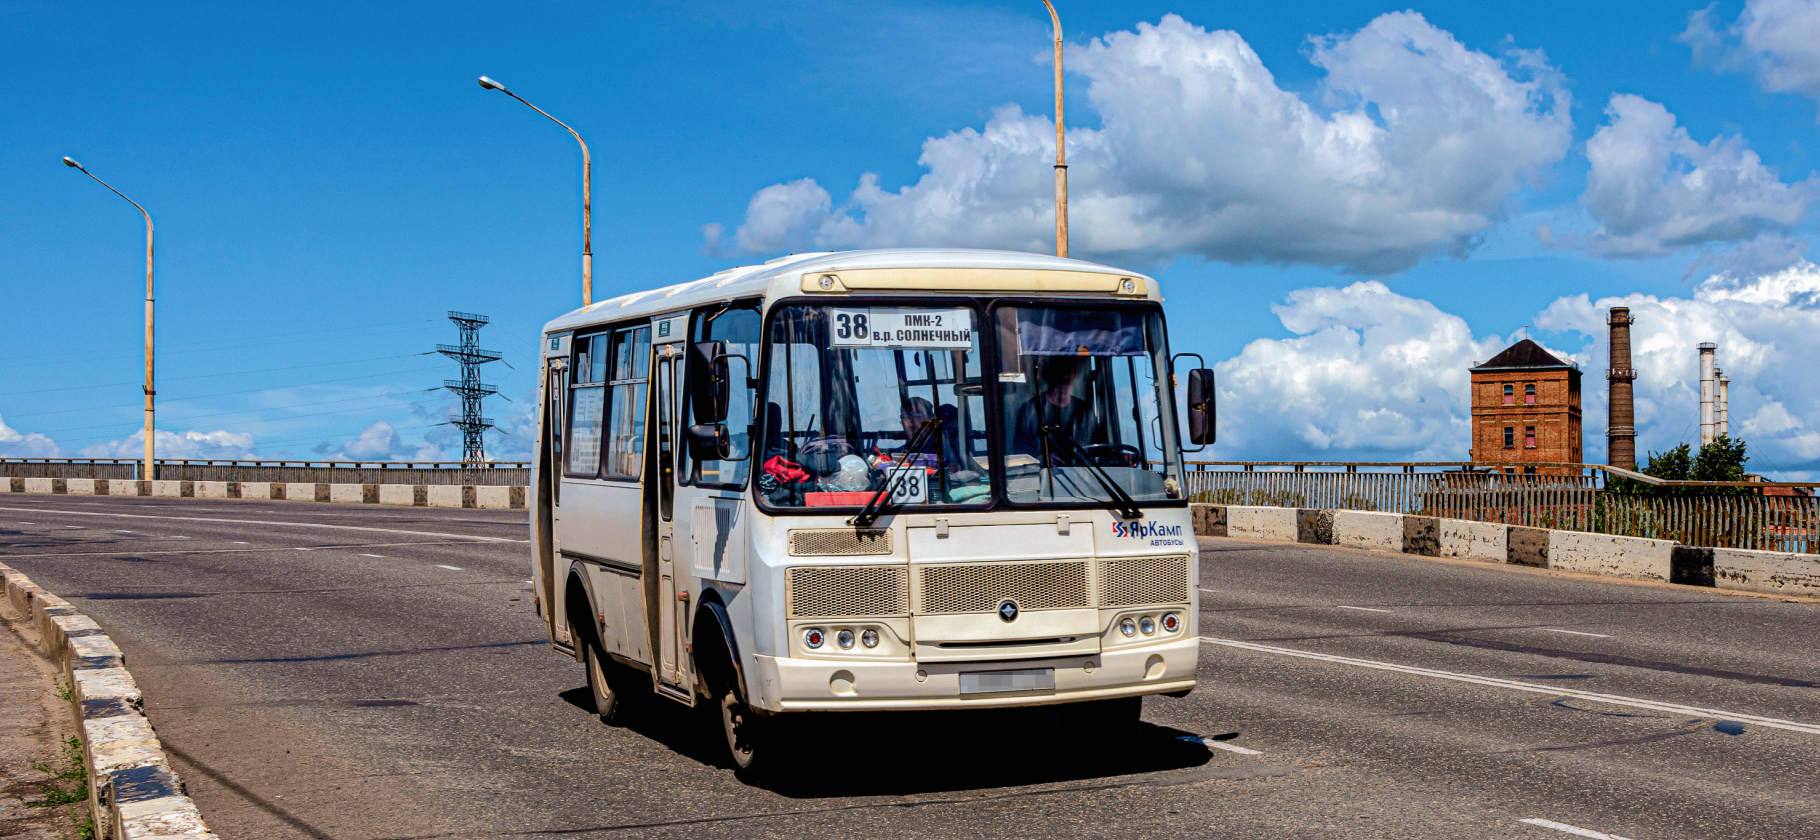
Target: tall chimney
x: 1709, y: 387
x: 1621, y: 421
x: 1725, y: 426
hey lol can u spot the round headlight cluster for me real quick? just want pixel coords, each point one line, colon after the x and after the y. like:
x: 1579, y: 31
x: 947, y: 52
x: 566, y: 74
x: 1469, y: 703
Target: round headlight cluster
x: 844, y: 638
x: 1128, y: 627
x: 869, y: 638
x: 814, y: 638
x: 1148, y: 625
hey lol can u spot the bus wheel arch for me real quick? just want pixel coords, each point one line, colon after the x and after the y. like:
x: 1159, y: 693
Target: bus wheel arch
x: 716, y: 649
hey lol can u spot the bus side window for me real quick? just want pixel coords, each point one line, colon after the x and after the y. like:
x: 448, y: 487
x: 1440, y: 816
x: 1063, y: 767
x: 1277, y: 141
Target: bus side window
x: 587, y: 404
x: 737, y: 324
x: 629, y: 375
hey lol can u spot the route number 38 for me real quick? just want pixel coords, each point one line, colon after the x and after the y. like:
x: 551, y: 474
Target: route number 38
x: 852, y: 326
x: 910, y: 486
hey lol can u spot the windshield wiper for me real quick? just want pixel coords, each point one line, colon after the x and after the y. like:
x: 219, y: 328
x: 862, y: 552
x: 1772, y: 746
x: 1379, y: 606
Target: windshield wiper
x: 1121, y: 502
x: 874, y: 506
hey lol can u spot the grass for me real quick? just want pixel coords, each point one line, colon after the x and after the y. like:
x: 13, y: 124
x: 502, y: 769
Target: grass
x: 69, y: 783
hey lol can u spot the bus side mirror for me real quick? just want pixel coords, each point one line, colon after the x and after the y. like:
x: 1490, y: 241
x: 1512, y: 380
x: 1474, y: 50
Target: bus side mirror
x: 1200, y: 406
x: 709, y: 388
x: 710, y: 442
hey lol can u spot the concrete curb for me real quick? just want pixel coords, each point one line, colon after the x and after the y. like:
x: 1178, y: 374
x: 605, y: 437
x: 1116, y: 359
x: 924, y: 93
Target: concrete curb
x: 1635, y: 558
x: 133, y: 792
x: 480, y: 496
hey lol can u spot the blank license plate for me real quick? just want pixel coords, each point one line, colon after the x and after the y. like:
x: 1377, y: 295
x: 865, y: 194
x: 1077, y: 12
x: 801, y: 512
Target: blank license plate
x: 990, y: 682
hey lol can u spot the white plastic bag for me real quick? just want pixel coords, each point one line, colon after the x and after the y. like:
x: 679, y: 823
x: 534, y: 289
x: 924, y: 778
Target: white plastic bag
x: 852, y: 475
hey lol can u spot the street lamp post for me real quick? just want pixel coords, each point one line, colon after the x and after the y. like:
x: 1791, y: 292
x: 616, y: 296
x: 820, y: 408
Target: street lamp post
x: 150, y: 471
x: 1061, y: 160
x: 587, y: 212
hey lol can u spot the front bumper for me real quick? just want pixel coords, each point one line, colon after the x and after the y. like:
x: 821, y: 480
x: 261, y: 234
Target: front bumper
x: 784, y: 684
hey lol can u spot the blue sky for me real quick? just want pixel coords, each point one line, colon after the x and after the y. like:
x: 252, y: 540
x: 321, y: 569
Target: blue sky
x: 328, y: 181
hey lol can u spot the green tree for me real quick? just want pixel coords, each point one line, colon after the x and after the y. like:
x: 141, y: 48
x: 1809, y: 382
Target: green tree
x: 1721, y: 460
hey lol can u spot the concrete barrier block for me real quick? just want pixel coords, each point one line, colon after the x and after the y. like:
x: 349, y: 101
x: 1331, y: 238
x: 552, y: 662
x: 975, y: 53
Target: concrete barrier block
x: 396, y: 494
x: 261, y: 490
x: 60, y: 486
x: 212, y: 490
x: 38, y: 485
x: 300, y: 492
x: 1528, y: 546
x: 167, y: 489
x: 443, y: 495
x: 346, y: 494
x: 1209, y: 520
x: 1421, y: 535
x: 1261, y: 523
x: 1775, y: 572
x: 1314, y: 526
x: 1604, y: 554
x: 80, y: 486
x: 1690, y: 565
x: 1361, y: 529
x: 15, y: 485
x: 518, y: 496
x: 1486, y: 542
x: 493, y: 498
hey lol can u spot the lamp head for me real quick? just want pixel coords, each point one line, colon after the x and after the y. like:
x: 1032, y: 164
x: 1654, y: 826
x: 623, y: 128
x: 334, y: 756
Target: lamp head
x: 69, y: 162
x: 489, y: 84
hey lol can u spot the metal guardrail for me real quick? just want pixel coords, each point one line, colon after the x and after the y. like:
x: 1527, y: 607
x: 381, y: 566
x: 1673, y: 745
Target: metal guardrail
x: 1564, y: 496
x: 286, y: 470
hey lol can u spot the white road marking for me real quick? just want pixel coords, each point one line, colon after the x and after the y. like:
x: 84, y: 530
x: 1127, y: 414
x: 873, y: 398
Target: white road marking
x: 242, y: 542
x: 28, y: 523
x: 1572, y: 829
x: 261, y: 522
x: 1576, y: 633
x: 299, y: 548
x: 380, y: 556
x: 450, y: 568
x: 1222, y: 745
x: 1551, y: 690
x: 179, y: 538
x: 1366, y: 609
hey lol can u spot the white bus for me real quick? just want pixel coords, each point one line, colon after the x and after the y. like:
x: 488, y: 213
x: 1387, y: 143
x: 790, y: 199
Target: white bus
x: 908, y: 479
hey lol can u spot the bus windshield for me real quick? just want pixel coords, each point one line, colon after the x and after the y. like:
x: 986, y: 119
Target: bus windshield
x: 864, y: 397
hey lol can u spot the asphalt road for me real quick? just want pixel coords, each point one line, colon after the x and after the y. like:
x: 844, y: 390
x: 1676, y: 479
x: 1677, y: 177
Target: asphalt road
x: 358, y: 672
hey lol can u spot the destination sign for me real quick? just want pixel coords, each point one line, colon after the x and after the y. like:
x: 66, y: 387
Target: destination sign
x: 890, y: 326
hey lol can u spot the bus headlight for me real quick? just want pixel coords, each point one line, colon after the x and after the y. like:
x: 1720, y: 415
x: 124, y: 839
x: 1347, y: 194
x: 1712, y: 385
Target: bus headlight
x: 1128, y: 627
x: 1171, y: 622
x: 814, y: 638
x: 844, y: 638
x: 869, y: 638
x: 1147, y: 624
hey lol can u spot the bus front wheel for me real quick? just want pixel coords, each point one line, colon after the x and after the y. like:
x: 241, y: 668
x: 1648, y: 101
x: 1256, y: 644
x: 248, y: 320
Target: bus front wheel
x: 609, y: 696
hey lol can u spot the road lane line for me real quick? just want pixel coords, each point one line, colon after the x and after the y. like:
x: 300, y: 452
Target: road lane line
x: 1576, y: 633
x: 1498, y: 682
x: 1222, y: 745
x: 261, y: 522
x: 450, y: 568
x: 1572, y: 829
x: 380, y: 556
x: 1365, y: 609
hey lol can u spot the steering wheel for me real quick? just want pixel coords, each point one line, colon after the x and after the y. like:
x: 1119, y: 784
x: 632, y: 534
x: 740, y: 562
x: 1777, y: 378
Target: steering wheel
x: 1114, y: 455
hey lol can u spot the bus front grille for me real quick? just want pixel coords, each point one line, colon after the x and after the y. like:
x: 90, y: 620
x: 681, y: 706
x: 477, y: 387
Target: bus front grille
x: 847, y: 591
x: 981, y: 587
x: 1136, y: 581
x: 839, y: 542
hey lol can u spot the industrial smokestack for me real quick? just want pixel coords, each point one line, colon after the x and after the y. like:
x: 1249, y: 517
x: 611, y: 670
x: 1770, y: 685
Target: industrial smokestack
x: 1725, y: 426
x: 1709, y: 392
x: 1621, y: 422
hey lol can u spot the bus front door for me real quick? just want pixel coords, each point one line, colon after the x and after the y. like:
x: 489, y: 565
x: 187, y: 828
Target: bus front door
x: 674, y: 676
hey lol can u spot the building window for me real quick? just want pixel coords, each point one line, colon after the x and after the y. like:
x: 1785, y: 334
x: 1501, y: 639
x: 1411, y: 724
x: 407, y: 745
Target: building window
x: 1509, y: 399
x: 1529, y: 437
x: 1529, y: 393
x: 1529, y: 470
x: 1510, y: 436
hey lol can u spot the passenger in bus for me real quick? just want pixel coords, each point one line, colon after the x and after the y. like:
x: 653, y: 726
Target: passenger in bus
x: 942, y: 458
x: 1058, y: 407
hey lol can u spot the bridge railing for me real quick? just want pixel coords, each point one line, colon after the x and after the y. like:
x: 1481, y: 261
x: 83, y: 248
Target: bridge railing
x: 1777, y: 516
x: 489, y: 473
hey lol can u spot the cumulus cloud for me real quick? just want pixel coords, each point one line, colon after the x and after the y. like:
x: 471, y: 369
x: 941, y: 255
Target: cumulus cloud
x: 1653, y: 190
x: 1412, y: 148
x: 379, y: 442
x: 191, y: 444
x: 1778, y: 41
x: 15, y: 444
x: 1370, y: 375
x: 1767, y: 329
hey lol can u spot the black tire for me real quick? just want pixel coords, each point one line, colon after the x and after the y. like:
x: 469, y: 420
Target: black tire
x: 604, y: 682
x: 752, y: 741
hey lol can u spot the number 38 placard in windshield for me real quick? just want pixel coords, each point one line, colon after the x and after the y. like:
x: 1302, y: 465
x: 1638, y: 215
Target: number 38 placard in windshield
x: 886, y: 326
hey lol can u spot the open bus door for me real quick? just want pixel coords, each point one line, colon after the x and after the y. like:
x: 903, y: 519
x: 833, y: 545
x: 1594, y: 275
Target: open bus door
x: 674, y: 673
x: 546, y: 477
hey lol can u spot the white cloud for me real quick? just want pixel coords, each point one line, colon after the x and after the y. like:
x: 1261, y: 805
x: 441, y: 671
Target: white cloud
x: 14, y: 444
x: 1201, y: 153
x: 378, y: 442
x: 1371, y: 375
x: 1768, y: 333
x: 191, y: 444
x: 1776, y: 40
x: 1654, y: 190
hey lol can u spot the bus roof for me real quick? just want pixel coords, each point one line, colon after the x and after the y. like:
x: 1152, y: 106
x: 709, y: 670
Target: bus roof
x: 890, y: 271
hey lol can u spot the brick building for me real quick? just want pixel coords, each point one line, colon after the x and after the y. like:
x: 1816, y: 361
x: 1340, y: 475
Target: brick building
x: 1526, y: 408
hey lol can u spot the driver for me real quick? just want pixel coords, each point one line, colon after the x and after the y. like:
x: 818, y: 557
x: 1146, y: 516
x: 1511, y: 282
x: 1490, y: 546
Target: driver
x: 1056, y: 406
